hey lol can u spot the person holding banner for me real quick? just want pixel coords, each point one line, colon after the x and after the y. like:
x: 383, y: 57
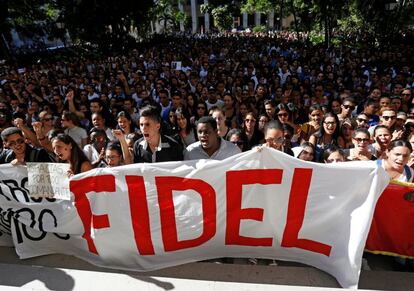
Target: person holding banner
x: 275, y: 137
x: 210, y: 144
x: 398, y: 154
x: 68, y: 151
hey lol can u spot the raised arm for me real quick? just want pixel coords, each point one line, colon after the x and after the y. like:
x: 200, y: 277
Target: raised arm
x: 124, y: 146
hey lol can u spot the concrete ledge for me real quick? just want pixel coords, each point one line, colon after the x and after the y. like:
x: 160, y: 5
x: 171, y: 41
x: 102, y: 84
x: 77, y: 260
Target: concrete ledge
x: 16, y: 272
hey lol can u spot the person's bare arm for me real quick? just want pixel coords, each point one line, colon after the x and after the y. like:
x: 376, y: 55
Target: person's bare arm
x: 124, y: 146
x: 18, y: 122
x: 70, y: 97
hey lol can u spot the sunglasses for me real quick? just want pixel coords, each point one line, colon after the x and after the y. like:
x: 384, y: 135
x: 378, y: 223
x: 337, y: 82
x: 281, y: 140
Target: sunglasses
x: 358, y: 139
x: 349, y: 107
x: 17, y: 142
x: 386, y: 118
x: 239, y: 143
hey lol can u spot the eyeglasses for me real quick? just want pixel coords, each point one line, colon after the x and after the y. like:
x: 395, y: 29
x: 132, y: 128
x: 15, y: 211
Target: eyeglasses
x: 361, y: 120
x: 278, y: 140
x: 250, y: 120
x: 17, y: 142
x: 330, y: 122
x: 239, y: 142
x: 349, y: 107
x: 111, y: 158
x: 358, y: 139
x: 282, y: 115
x: 386, y: 118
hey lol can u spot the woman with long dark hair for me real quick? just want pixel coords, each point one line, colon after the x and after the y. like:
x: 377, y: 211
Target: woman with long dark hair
x: 201, y: 110
x: 251, y: 130
x: 186, y: 134
x: 327, y: 135
x: 125, y: 122
x: 68, y: 151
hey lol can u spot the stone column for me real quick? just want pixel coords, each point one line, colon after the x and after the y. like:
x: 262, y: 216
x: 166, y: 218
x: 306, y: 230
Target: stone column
x: 206, y: 19
x: 257, y: 18
x: 194, y: 15
x: 245, y: 20
x: 271, y: 19
x: 181, y: 8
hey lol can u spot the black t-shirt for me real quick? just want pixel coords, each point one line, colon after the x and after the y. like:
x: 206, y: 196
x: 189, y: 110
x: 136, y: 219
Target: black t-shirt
x: 32, y: 155
x: 170, y: 150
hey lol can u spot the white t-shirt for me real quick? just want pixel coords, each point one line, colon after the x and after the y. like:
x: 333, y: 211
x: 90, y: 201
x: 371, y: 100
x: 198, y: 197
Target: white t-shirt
x: 77, y: 133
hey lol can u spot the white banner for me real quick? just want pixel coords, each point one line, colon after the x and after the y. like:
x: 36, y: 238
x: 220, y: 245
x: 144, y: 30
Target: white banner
x: 254, y: 205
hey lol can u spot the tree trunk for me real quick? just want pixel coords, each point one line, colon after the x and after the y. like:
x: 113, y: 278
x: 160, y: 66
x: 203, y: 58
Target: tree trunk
x: 281, y: 15
x: 295, y: 19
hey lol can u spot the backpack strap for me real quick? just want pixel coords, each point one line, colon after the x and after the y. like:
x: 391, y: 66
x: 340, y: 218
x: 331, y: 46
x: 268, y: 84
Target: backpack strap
x: 407, y: 172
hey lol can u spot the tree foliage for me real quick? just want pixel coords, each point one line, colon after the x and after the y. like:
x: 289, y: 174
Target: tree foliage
x: 114, y: 24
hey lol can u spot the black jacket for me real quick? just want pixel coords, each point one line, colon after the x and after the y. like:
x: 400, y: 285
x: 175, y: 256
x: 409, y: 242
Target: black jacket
x: 32, y: 155
x: 171, y: 150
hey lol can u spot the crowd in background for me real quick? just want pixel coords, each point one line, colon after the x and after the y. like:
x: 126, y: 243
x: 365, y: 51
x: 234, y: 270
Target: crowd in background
x: 213, y: 97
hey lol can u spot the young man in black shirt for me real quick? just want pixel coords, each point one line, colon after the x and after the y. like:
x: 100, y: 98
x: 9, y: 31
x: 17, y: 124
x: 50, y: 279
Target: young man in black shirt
x: 154, y: 146
x: 18, y: 152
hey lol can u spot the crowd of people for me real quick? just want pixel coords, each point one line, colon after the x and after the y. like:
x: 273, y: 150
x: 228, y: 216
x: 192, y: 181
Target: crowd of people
x: 211, y: 98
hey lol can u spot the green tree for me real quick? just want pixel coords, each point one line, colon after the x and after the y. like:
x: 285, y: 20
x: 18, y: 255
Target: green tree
x: 167, y: 13
x: 107, y: 23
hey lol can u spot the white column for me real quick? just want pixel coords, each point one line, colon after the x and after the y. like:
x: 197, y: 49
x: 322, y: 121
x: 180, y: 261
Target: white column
x: 181, y: 8
x: 194, y: 15
x: 271, y: 19
x: 206, y: 19
x: 257, y: 18
x: 245, y: 20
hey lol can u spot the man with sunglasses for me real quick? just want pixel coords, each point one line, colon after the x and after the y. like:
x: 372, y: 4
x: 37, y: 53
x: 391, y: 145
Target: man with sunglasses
x: 347, y: 107
x: 17, y: 152
x: 388, y: 117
